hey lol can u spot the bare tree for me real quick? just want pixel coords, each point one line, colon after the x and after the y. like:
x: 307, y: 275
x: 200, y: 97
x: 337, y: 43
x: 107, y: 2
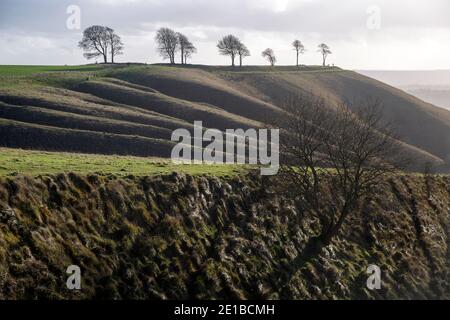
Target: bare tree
x: 331, y: 159
x: 299, y: 48
x: 186, y: 47
x: 242, y: 51
x: 115, y: 43
x: 269, y: 55
x: 325, y: 51
x: 228, y: 46
x: 168, y: 45
x: 95, y: 42
x: 189, y: 50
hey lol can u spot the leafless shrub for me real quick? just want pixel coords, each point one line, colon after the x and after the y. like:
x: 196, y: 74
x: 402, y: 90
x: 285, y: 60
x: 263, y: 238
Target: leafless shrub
x: 331, y: 158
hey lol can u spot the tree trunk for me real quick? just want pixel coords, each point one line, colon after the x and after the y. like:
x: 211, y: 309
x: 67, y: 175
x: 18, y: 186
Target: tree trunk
x: 297, y: 59
x: 324, y: 60
x: 182, y: 56
x: 240, y: 61
x: 327, y: 236
x: 232, y: 60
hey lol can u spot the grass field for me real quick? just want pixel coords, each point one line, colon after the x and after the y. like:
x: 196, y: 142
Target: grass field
x: 24, y: 162
x: 27, y: 70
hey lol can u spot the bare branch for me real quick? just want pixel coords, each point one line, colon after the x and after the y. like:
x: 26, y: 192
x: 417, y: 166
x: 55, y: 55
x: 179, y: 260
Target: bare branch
x: 333, y: 157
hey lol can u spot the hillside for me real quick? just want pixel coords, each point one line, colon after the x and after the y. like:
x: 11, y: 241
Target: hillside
x: 180, y: 236
x: 85, y: 180
x: 132, y: 109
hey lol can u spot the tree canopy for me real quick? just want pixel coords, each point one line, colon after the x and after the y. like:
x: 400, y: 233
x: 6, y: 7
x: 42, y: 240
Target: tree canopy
x: 97, y: 41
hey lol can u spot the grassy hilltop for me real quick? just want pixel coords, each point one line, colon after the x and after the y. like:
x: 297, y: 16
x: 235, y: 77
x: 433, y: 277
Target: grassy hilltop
x: 131, y: 109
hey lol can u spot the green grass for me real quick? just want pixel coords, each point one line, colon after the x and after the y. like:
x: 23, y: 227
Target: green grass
x: 26, y: 162
x: 27, y: 70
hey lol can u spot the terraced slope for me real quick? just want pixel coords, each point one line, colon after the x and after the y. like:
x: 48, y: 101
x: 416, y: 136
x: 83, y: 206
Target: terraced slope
x: 132, y: 109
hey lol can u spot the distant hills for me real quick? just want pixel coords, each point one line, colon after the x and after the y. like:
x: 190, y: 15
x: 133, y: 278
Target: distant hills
x: 432, y: 86
x: 132, y: 109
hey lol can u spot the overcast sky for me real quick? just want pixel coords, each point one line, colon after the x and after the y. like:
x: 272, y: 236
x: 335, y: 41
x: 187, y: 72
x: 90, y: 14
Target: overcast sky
x: 384, y: 34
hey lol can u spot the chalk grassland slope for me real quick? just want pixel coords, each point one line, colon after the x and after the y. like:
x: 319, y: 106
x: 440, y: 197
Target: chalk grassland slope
x: 140, y: 105
x: 418, y: 124
x: 180, y: 237
x: 271, y: 87
x: 110, y: 116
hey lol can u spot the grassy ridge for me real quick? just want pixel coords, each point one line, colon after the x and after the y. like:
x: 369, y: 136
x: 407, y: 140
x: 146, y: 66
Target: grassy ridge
x: 165, y: 105
x: 73, y: 121
x: 15, y: 134
x: 147, y: 102
x: 201, y: 86
x: 14, y: 161
x: 57, y: 99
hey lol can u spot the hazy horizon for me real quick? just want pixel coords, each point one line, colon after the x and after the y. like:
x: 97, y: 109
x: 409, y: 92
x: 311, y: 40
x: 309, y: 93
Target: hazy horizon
x: 432, y: 86
x: 363, y: 35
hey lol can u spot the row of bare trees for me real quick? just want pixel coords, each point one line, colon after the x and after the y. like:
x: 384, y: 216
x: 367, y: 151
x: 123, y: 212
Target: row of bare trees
x: 323, y: 49
x: 100, y: 41
x: 230, y: 45
x: 171, y: 42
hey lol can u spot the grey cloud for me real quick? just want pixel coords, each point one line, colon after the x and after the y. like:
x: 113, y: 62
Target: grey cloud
x: 340, y: 22
x: 324, y: 16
